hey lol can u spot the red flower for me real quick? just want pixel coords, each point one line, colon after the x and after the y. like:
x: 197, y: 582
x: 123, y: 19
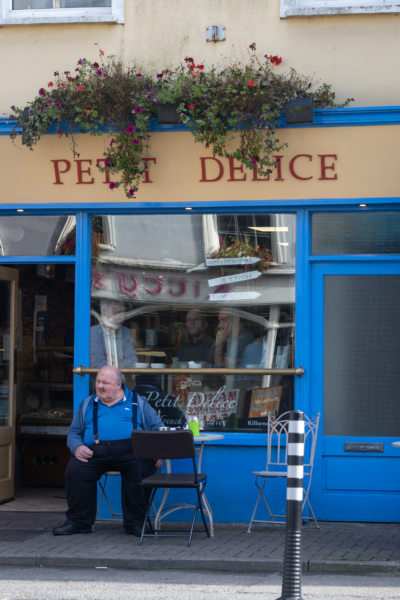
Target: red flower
x: 191, y: 106
x: 251, y: 83
x: 50, y: 84
x: 79, y: 88
x: 276, y: 60
x: 201, y: 67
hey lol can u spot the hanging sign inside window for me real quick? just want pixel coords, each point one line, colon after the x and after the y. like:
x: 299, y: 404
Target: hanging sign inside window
x: 230, y: 296
x: 234, y: 278
x: 240, y: 260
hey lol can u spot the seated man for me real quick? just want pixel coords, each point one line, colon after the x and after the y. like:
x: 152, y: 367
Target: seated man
x: 100, y: 440
x: 200, y: 347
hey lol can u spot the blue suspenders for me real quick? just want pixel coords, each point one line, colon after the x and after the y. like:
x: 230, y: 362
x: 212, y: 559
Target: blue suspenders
x: 96, y: 417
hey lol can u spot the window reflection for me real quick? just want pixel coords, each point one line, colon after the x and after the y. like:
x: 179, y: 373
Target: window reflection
x: 25, y: 235
x: 197, y: 291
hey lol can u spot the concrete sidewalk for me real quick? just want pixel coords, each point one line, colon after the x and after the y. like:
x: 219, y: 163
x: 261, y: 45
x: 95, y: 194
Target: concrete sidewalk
x: 26, y: 539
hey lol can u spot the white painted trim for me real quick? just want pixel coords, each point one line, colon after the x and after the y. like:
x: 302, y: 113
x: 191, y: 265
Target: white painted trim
x: 307, y: 8
x: 113, y: 14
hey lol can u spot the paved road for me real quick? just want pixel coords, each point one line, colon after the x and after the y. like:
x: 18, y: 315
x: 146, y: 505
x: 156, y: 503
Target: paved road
x: 18, y: 583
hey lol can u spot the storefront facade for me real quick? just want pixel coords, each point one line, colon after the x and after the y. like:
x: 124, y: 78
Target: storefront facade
x: 313, y: 297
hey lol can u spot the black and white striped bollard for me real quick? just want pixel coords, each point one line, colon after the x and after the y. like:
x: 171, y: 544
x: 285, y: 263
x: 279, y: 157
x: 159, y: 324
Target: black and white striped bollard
x: 291, y: 580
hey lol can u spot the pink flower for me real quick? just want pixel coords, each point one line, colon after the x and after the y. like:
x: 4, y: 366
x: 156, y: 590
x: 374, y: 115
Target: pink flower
x: 138, y: 109
x: 112, y: 185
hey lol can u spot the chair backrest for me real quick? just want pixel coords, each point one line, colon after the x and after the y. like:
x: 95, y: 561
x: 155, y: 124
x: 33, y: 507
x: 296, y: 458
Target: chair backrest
x: 277, y: 448
x: 163, y: 444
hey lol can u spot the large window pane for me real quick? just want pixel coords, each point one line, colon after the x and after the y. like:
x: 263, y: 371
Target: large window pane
x: 197, y: 291
x: 356, y: 233
x: 37, y: 235
x: 361, y: 355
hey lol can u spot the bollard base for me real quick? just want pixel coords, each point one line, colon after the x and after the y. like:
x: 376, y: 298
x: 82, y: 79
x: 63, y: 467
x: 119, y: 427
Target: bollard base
x: 290, y: 598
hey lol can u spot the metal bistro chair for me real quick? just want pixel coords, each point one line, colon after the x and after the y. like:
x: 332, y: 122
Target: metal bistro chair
x: 277, y: 455
x: 170, y: 445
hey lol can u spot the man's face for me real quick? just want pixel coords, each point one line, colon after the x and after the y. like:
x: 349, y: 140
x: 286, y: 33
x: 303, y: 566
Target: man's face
x: 195, y: 323
x: 108, y: 388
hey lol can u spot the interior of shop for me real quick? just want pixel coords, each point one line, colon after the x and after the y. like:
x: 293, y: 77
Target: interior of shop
x: 43, y: 373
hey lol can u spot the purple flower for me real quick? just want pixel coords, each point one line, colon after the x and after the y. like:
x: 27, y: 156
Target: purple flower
x: 57, y: 105
x: 96, y: 65
x: 160, y: 75
x: 138, y: 109
x: 130, y: 129
x: 108, y: 162
x: 135, y: 141
x: 112, y: 185
x: 80, y: 61
x: 139, y: 75
x: 99, y: 72
x: 42, y: 92
x: 131, y: 192
x: 49, y: 102
x: 59, y: 131
x: 112, y: 142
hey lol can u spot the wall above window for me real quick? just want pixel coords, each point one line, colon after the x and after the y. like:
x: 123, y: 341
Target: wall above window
x: 307, y: 8
x: 30, y: 12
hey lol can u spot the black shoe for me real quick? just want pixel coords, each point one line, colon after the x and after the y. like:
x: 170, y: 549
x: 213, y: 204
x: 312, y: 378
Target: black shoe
x: 136, y: 529
x: 69, y: 529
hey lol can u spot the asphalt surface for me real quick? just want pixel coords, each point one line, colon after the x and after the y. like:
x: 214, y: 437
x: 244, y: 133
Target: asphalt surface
x: 26, y: 539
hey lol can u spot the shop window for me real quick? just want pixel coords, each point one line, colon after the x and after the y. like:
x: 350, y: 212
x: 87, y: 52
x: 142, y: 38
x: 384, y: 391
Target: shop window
x: 59, y: 11
x: 356, y: 233
x: 198, y: 292
x: 25, y: 235
x: 295, y: 8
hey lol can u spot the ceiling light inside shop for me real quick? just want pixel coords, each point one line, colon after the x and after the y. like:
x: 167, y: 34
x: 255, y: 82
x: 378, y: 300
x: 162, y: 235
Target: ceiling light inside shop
x: 362, y: 205
x: 270, y: 228
x: 20, y: 210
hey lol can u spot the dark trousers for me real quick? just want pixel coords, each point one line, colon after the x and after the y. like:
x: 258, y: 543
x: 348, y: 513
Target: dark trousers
x: 81, y: 482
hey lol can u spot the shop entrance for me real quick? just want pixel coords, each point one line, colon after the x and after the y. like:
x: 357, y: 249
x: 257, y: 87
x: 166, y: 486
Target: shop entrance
x: 355, y: 371
x: 36, y: 387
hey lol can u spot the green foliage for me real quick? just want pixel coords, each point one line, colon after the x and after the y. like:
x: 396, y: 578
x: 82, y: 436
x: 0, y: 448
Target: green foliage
x: 233, y: 110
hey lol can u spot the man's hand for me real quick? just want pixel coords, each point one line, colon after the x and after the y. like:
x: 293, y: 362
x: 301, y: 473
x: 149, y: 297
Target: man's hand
x: 83, y: 453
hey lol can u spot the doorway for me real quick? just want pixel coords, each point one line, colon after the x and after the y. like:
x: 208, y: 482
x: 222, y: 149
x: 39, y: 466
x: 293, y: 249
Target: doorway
x: 355, y: 373
x: 42, y: 373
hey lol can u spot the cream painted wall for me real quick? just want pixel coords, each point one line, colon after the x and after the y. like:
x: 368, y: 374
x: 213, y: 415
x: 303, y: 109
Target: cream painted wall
x: 357, y: 54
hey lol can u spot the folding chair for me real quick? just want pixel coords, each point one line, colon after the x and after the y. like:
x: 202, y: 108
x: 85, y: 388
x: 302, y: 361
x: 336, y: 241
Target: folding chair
x: 103, y: 494
x: 277, y: 455
x: 170, y: 445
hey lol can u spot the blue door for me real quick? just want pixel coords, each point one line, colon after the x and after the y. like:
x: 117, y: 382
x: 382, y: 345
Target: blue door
x: 355, y: 384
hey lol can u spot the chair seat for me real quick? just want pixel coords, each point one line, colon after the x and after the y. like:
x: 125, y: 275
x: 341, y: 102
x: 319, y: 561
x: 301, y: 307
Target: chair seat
x: 270, y: 473
x: 173, y: 480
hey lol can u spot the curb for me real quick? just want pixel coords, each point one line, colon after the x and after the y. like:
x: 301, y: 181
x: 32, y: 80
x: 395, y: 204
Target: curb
x: 237, y: 565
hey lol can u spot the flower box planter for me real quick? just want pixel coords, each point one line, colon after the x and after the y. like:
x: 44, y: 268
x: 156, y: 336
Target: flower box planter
x: 167, y: 114
x: 300, y: 110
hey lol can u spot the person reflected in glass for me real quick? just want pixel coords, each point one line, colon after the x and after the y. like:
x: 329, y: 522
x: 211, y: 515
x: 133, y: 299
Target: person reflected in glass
x: 111, y: 343
x: 231, y: 340
x: 200, y: 346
